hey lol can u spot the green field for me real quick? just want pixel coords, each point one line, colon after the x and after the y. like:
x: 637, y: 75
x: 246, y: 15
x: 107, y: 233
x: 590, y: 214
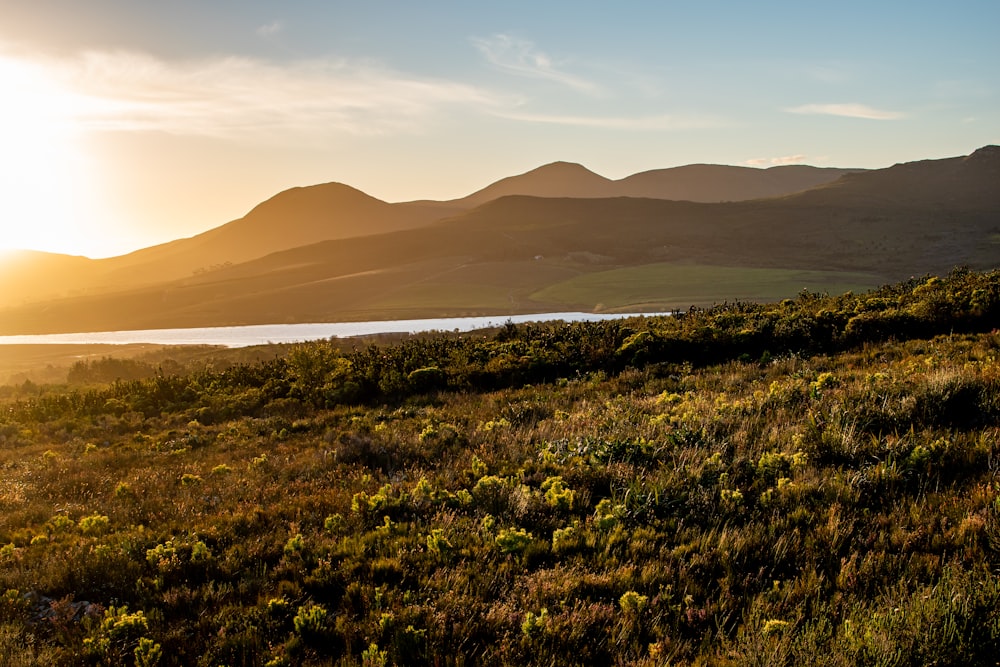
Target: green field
x: 476, y: 288
x: 671, y: 285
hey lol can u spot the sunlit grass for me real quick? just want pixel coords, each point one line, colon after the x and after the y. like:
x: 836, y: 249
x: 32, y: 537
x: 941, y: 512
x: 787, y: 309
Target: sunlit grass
x: 831, y: 507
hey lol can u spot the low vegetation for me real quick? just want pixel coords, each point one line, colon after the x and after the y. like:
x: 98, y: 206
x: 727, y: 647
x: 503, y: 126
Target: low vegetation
x: 807, y: 482
x: 642, y: 286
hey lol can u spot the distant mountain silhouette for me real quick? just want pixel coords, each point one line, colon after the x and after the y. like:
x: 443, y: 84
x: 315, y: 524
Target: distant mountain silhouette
x: 30, y: 275
x: 968, y: 183
x: 558, y: 179
x: 696, y: 182
x: 501, y: 256
x: 295, y: 217
x: 304, y: 215
x: 292, y: 218
x: 718, y: 183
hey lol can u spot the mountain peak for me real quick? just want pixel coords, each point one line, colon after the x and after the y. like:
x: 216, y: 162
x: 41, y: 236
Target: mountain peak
x: 561, y: 165
x: 555, y: 179
x: 560, y: 169
x: 321, y: 195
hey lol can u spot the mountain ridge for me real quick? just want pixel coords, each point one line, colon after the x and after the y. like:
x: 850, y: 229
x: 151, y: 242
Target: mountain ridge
x: 329, y: 211
x: 511, y: 253
x: 694, y: 182
x: 521, y: 253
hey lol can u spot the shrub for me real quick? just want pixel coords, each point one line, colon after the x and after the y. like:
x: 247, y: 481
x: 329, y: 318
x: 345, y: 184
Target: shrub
x: 147, y: 653
x: 632, y: 603
x: 117, y: 634
x: 94, y: 525
x: 310, y: 622
x: 557, y: 494
x: 513, y: 540
x: 437, y: 543
x: 534, y: 624
x: 429, y: 378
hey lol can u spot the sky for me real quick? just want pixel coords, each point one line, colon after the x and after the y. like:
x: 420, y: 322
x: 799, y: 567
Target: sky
x: 126, y: 123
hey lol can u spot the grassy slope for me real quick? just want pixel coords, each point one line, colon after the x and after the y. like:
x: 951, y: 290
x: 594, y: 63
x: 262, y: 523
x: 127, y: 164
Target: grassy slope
x: 651, y: 506
x: 677, y: 286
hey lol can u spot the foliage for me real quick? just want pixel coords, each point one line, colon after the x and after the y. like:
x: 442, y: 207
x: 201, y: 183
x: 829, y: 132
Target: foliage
x: 811, y: 482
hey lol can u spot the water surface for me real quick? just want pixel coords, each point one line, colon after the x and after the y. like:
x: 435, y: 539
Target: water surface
x: 261, y: 334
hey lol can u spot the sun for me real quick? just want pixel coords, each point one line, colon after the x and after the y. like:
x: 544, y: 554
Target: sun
x: 43, y: 175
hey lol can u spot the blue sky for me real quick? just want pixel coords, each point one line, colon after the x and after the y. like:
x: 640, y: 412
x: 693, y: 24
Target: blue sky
x: 135, y: 122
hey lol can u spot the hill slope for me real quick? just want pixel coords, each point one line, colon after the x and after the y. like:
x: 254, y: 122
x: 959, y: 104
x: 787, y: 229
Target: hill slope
x: 718, y: 183
x: 529, y: 254
x: 557, y: 179
x: 696, y: 182
x: 295, y: 217
x: 330, y: 211
x: 30, y: 275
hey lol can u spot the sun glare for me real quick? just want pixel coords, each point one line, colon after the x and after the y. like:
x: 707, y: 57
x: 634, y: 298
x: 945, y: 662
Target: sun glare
x: 43, y: 175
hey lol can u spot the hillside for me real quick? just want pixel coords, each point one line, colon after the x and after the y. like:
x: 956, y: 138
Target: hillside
x: 292, y: 218
x: 804, y: 482
x: 718, y: 183
x: 530, y: 254
x: 28, y: 275
x: 296, y: 217
x: 966, y: 183
x: 696, y: 182
x: 331, y: 211
x: 558, y: 179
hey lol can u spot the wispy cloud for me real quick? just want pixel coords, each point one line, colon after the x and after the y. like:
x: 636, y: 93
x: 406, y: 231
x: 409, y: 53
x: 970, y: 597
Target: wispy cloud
x: 270, y: 29
x: 776, y: 161
x: 788, y: 159
x: 658, y: 122
x: 251, y: 99
x: 847, y: 110
x: 521, y: 57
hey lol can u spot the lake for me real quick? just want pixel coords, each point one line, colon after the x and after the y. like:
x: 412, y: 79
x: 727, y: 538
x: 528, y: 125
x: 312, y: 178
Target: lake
x: 261, y: 334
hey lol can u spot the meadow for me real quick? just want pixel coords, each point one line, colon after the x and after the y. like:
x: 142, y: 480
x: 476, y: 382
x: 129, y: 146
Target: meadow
x: 691, y: 283
x: 812, y: 481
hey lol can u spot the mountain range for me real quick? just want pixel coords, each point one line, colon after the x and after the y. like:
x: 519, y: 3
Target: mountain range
x: 555, y: 238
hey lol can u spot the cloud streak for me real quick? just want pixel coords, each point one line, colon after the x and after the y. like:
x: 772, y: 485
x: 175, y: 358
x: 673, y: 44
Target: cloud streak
x: 248, y: 99
x: 245, y: 99
x: 788, y: 159
x: 520, y: 57
x: 776, y: 161
x: 847, y: 110
x: 270, y: 29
